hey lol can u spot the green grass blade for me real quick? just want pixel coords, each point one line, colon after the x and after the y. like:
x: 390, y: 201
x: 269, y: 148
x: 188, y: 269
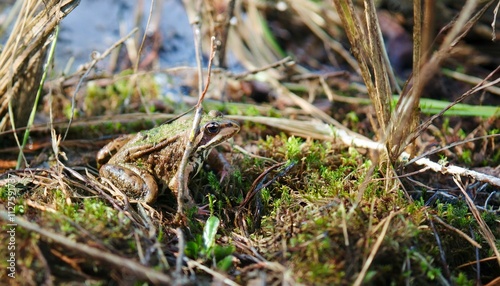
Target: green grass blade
x: 37, y: 98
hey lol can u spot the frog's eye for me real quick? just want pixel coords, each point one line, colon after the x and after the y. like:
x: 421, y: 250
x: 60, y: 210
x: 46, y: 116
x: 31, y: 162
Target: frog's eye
x: 213, y: 127
x: 215, y: 113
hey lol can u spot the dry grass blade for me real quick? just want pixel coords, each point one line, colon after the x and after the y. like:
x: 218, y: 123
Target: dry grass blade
x: 386, y: 222
x: 304, y: 104
x: 458, y: 231
x: 472, y: 80
x: 310, y: 14
x: 367, y: 47
x: 398, y: 134
x: 485, y: 230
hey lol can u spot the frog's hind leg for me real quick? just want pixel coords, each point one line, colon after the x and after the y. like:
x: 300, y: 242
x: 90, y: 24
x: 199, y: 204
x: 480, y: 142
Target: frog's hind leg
x: 111, y: 148
x: 134, y: 182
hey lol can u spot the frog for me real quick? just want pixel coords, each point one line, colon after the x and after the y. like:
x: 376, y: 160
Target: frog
x: 147, y: 163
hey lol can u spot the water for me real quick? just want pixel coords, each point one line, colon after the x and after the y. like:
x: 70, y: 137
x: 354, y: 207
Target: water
x: 95, y: 26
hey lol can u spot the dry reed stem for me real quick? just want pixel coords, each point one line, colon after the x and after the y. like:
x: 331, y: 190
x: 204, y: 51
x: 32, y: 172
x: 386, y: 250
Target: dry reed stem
x: 366, y: 45
x: 22, y: 56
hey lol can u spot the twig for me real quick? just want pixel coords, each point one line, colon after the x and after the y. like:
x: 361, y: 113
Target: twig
x: 180, y: 256
x: 434, y: 151
x: 181, y: 181
x: 322, y: 75
x: 458, y: 231
x: 133, y: 78
x: 183, y: 195
x: 209, y: 72
x: 471, y: 79
x: 286, y: 60
x: 324, y: 131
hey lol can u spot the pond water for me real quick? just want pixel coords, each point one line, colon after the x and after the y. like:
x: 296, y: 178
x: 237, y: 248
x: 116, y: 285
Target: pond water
x: 96, y: 25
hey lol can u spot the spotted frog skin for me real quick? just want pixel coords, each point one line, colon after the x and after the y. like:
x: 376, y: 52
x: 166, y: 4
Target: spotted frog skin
x: 147, y: 163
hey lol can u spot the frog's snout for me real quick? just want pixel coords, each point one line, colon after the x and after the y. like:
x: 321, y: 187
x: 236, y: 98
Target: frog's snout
x: 234, y: 125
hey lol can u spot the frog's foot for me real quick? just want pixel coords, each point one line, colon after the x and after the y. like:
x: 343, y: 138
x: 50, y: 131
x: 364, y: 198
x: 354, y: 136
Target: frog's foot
x: 219, y: 163
x: 137, y: 184
x: 203, y: 210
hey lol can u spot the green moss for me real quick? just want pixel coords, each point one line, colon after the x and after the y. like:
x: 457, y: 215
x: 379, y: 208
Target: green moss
x: 121, y: 94
x: 316, y: 196
x: 466, y: 156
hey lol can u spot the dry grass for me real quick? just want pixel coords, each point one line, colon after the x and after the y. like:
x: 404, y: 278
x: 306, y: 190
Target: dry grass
x: 23, y: 56
x: 317, y: 193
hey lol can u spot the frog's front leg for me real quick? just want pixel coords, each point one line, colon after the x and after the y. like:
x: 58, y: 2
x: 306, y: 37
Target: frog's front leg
x: 173, y: 185
x: 136, y: 183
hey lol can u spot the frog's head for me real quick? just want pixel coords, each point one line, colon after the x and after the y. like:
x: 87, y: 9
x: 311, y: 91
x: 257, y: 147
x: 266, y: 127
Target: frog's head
x: 214, y: 130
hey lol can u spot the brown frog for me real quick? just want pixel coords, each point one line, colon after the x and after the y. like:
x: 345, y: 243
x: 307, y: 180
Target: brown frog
x: 147, y: 163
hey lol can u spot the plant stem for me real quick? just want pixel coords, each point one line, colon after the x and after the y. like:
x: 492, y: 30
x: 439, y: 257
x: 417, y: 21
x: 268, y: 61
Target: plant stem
x: 37, y: 98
